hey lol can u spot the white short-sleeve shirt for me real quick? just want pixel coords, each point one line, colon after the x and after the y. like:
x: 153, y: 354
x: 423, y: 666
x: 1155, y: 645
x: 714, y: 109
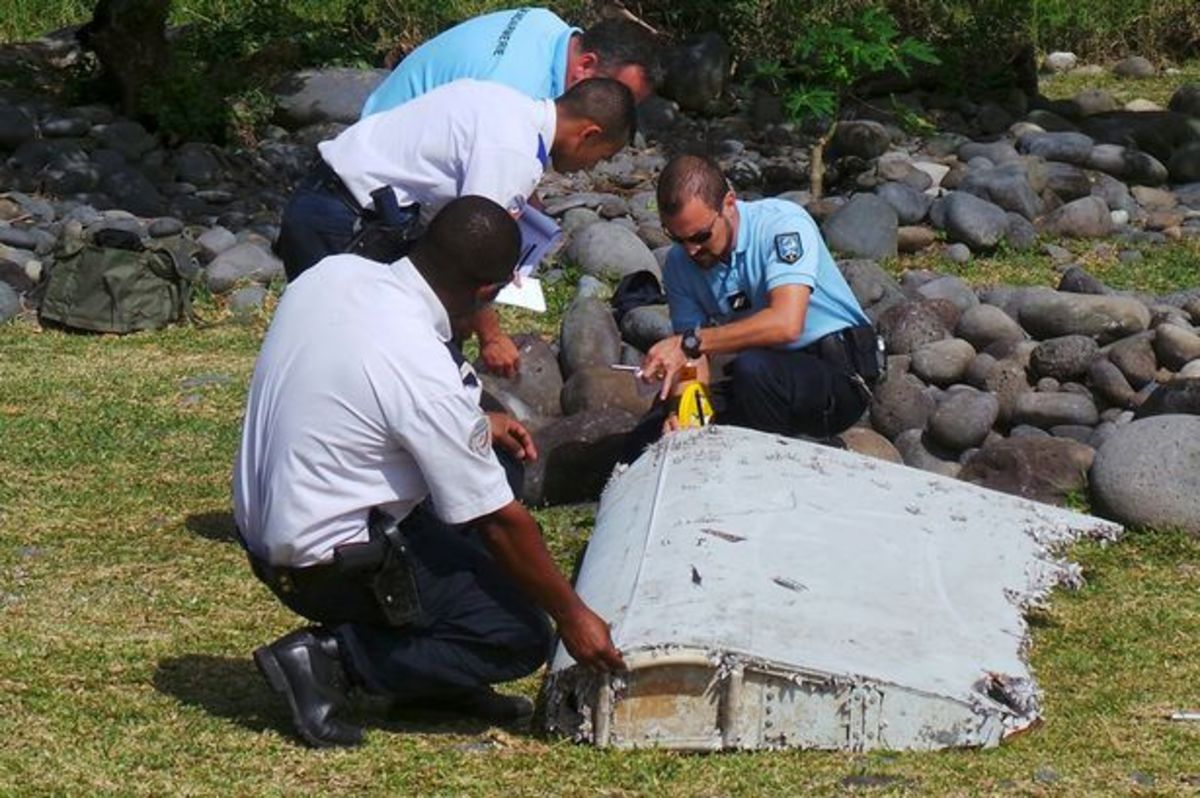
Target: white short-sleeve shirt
x: 358, y: 402
x: 466, y: 137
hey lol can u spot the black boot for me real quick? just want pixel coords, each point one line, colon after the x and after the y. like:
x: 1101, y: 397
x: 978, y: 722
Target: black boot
x: 304, y: 665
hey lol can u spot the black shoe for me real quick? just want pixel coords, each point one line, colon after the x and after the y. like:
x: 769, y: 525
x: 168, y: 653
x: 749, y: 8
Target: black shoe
x: 483, y: 703
x: 304, y: 665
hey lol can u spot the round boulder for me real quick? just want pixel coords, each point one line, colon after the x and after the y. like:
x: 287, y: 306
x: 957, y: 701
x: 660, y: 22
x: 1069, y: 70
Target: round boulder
x: 964, y: 419
x: 864, y: 440
x: 1064, y: 358
x: 1175, y: 346
x: 984, y: 325
x: 975, y: 222
x: 589, y: 336
x: 600, y: 388
x: 900, y: 403
x: 535, y: 391
x: 865, y: 227
x: 1176, y: 397
x: 1031, y: 465
x: 943, y: 362
x: 610, y: 251
x: 1049, y: 314
x: 1148, y: 473
x: 910, y: 325
x: 1047, y: 410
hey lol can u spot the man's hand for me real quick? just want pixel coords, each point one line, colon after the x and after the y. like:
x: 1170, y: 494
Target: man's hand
x: 500, y: 355
x: 587, y: 638
x: 663, y: 362
x: 510, y: 435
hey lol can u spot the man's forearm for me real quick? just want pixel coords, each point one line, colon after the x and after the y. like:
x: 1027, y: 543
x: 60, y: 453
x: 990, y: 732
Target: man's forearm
x: 515, y: 543
x: 486, y: 324
x: 763, y: 329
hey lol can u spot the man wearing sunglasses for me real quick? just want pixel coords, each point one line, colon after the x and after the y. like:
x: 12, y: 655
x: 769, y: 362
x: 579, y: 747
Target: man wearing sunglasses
x: 755, y: 280
x: 370, y: 501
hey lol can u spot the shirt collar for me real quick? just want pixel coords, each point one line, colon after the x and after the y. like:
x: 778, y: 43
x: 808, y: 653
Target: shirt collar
x: 743, y: 234
x: 412, y: 280
x: 558, y: 77
x: 545, y: 132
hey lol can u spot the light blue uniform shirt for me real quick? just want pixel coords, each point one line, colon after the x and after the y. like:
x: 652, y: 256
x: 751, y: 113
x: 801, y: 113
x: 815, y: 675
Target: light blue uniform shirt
x: 769, y: 231
x: 525, y: 48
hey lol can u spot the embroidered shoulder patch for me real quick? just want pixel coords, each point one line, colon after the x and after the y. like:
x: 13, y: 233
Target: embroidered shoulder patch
x: 481, y: 436
x: 788, y: 248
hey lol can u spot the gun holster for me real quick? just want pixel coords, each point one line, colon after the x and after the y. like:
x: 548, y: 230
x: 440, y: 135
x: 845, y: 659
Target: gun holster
x: 385, y: 562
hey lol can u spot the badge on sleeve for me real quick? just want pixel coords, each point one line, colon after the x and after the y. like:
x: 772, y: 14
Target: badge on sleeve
x: 481, y: 437
x: 788, y: 248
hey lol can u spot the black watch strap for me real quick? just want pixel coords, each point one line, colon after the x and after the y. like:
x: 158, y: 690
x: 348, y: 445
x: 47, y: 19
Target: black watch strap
x: 691, y: 344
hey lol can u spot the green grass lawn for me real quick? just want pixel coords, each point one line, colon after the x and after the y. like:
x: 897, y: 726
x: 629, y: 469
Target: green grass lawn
x: 127, y: 616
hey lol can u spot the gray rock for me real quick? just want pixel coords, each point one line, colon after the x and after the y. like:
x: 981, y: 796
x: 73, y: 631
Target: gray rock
x: 1047, y: 410
x: 1064, y: 358
x: 214, y: 241
x: 899, y: 403
x: 576, y: 456
x: 1146, y: 474
x: 973, y: 221
x: 656, y: 116
x: 920, y: 452
x: 245, y: 261
x: 909, y: 204
x: 247, y: 300
x: 608, y: 250
x: 1050, y: 314
x: 1021, y: 235
x: 128, y: 138
x: 997, y: 152
x: 865, y: 227
x: 1135, y: 357
x: 697, y: 73
x: 1068, y: 182
x: 1072, y: 148
x: 645, y: 326
x: 1073, y: 432
x: 16, y: 127
x: 1184, y: 166
x: 1135, y: 66
x: 196, y: 164
x: 1110, y: 383
x: 576, y: 219
x: 950, y: 288
x: 332, y: 94
x: 536, y: 390
x: 166, y: 226
x: 957, y: 253
x: 593, y: 200
x: 1090, y: 102
x: 980, y: 368
x: 1048, y: 385
x: 590, y: 287
x: 1175, y: 346
x: 1076, y: 280
x: 1007, y: 186
x: 874, y: 288
x: 863, y: 440
x: 943, y: 362
x: 1177, y: 396
x: 600, y: 388
x: 1031, y: 465
x: 860, y: 138
x: 590, y: 338
x: 1186, y: 100
x: 1087, y: 217
x: 10, y: 302
x: 911, y: 239
x: 1059, y: 61
x: 1026, y: 431
x: 1190, y: 371
x: 964, y: 419
x: 906, y: 327
x: 984, y: 325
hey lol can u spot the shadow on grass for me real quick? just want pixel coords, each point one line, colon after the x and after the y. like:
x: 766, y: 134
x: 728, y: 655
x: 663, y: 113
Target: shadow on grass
x: 232, y: 688
x: 217, y: 525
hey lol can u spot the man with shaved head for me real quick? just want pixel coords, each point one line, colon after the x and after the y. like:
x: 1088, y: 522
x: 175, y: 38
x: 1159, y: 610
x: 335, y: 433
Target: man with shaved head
x: 756, y: 281
x: 370, y: 501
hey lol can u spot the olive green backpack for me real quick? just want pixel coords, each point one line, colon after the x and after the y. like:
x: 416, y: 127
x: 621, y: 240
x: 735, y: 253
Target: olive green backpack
x: 115, y: 283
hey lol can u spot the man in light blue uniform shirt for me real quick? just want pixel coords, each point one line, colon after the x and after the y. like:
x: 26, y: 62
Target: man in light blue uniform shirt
x: 529, y: 49
x: 755, y: 279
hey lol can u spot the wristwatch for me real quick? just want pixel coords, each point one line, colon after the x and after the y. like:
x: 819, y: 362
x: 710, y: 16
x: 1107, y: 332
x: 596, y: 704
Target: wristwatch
x: 691, y: 344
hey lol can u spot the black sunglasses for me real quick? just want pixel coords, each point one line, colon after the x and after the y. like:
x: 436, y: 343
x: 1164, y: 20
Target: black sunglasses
x: 699, y: 237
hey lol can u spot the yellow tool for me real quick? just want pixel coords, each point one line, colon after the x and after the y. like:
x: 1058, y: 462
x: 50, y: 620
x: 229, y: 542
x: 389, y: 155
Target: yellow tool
x: 695, y: 408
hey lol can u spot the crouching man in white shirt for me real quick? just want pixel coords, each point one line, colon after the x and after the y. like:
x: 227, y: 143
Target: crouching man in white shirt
x: 370, y: 501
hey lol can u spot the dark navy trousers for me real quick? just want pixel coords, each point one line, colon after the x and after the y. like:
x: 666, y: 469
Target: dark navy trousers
x: 317, y: 221
x: 772, y: 390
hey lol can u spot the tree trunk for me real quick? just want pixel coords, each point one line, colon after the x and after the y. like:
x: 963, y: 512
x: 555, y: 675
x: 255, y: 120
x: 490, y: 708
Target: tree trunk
x: 129, y: 38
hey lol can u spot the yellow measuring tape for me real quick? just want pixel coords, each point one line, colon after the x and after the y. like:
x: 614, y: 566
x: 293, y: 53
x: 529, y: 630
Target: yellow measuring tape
x: 695, y: 409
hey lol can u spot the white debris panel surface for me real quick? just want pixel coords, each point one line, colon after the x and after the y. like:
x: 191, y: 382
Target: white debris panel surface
x: 769, y: 593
